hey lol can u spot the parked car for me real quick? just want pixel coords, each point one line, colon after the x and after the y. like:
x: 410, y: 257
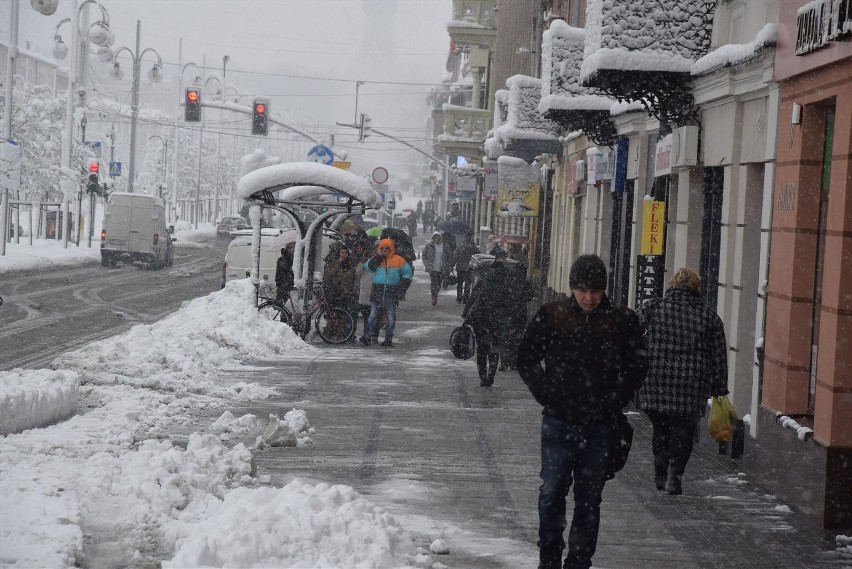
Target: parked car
x: 229, y: 224
x: 134, y: 230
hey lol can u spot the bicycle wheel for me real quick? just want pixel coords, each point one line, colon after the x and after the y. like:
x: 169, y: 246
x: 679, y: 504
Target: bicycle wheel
x: 334, y: 325
x: 275, y: 311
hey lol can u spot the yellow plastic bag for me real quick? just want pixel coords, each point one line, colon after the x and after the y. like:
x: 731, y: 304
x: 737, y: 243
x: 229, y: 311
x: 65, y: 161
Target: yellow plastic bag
x: 722, y: 419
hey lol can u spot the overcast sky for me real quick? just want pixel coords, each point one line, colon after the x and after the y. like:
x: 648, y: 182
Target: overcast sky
x: 306, y: 55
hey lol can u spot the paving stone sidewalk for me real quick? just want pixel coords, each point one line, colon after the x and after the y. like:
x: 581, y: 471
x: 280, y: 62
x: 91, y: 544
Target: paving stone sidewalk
x: 410, y: 428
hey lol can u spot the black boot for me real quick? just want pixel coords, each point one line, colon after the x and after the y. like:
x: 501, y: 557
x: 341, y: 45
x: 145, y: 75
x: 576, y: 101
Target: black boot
x: 674, y: 483
x: 661, y: 469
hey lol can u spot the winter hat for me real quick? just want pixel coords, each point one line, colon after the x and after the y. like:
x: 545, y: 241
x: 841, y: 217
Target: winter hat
x: 588, y: 272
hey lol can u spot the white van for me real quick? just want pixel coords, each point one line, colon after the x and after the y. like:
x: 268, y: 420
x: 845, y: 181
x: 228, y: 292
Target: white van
x: 237, y: 263
x: 134, y: 230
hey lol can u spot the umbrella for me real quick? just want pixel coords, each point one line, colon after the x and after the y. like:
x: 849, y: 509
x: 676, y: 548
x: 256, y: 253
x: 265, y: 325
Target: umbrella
x: 376, y: 231
x: 454, y: 226
x: 401, y: 242
x: 280, y: 241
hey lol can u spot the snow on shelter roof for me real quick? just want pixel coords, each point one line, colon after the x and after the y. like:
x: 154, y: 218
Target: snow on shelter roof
x: 280, y: 176
x: 657, y: 36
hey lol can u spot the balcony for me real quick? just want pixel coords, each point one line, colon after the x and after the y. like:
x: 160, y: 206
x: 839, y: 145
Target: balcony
x: 464, y: 130
x: 474, y: 23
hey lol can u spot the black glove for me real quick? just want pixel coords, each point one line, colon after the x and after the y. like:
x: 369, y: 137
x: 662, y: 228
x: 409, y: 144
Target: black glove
x: 403, y: 286
x: 374, y: 262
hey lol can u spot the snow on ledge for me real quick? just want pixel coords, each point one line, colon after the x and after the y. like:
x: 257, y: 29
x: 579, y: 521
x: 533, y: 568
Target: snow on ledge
x: 36, y: 398
x: 734, y: 53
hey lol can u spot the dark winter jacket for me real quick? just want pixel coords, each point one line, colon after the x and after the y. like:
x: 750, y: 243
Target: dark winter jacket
x: 463, y: 254
x: 592, y: 362
x: 688, y: 354
x: 488, y: 310
x: 284, y: 278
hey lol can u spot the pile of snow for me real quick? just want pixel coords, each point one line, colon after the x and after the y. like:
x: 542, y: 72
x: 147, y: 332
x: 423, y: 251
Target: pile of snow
x: 182, y: 352
x: 110, y: 473
x: 33, y: 398
x: 46, y: 253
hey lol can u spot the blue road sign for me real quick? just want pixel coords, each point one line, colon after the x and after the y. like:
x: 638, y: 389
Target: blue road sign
x: 114, y: 169
x: 321, y: 154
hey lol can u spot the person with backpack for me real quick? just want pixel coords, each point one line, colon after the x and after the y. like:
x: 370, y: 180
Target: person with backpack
x: 488, y: 315
x: 582, y: 358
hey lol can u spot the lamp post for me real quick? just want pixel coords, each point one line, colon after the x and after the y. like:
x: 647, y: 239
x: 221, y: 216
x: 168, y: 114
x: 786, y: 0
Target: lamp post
x: 165, y: 166
x: 154, y: 75
x: 99, y: 34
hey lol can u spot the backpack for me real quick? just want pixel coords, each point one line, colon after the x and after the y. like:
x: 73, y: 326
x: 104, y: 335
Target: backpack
x: 463, y: 342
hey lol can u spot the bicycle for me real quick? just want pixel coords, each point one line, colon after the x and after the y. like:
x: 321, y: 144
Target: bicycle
x: 332, y: 323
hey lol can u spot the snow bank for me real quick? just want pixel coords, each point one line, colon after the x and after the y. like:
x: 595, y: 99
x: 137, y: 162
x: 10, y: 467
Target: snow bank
x: 35, y: 398
x: 299, y: 525
x: 182, y: 352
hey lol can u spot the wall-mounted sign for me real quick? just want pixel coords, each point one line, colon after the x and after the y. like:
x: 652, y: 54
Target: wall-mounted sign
x: 663, y: 156
x: 489, y: 188
x: 653, y: 227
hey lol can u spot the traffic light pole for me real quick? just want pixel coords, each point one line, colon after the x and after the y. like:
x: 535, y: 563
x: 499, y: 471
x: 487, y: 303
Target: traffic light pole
x: 386, y: 135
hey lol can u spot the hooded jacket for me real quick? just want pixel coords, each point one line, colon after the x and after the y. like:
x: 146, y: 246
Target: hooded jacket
x: 593, y: 362
x: 429, y: 252
x: 391, y: 275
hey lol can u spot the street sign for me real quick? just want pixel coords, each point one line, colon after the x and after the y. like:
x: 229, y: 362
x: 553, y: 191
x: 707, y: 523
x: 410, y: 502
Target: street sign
x: 380, y: 175
x: 114, y: 169
x: 321, y: 154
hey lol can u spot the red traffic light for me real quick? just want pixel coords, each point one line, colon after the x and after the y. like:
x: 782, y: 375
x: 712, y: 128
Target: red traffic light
x: 192, y: 95
x: 260, y: 108
x: 94, y: 167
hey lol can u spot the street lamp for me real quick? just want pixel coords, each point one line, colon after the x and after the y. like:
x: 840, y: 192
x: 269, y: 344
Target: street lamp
x: 165, y: 153
x: 154, y: 75
x: 70, y: 179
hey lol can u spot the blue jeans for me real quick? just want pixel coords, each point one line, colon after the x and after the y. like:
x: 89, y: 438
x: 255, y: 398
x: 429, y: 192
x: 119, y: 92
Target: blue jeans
x: 390, y: 316
x: 578, y: 454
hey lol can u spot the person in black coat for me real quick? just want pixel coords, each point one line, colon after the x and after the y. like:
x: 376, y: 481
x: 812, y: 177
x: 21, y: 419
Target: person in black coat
x: 582, y: 359
x: 284, y: 277
x: 488, y: 314
x: 688, y: 363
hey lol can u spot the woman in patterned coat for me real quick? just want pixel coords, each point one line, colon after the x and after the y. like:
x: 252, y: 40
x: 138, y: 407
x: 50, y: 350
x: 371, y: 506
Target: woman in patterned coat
x: 688, y: 357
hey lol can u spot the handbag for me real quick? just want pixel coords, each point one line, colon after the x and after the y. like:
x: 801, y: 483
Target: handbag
x: 463, y: 342
x: 620, y: 444
x: 451, y: 279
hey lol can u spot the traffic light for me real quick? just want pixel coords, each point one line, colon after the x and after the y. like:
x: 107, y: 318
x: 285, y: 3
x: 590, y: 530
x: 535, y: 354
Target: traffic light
x: 93, y: 184
x: 365, y: 129
x: 192, y: 104
x: 260, y: 117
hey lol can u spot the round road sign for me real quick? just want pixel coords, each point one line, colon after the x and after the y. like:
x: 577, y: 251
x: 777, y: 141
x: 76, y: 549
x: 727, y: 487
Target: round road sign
x: 380, y: 175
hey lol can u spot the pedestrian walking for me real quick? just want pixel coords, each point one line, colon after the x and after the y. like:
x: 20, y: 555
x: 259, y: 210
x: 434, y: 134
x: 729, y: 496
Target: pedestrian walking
x: 428, y: 220
x: 520, y: 293
x: 438, y: 261
x: 284, y: 277
x: 688, y: 362
x: 466, y: 249
x: 411, y: 224
x: 391, y: 278
x: 594, y: 360
x: 488, y: 315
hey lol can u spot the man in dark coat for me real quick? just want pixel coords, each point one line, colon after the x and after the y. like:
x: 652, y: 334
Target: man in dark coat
x: 688, y: 363
x: 594, y: 359
x: 284, y: 278
x: 464, y: 252
x: 488, y: 314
